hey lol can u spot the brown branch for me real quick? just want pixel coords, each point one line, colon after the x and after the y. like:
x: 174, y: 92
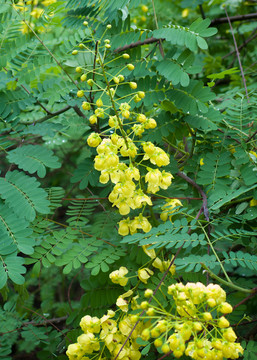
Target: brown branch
x: 50, y: 322
x: 234, y: 18
x: 213, y: 22
x: 250, y: 137
x: 165, y: 355
x: 246, y: 299
x: 200, y: 190
x: 237, y: 53
x: 251, y: 37
x: 137, y: 43
x: 66, y: 108
x: 78, y: 111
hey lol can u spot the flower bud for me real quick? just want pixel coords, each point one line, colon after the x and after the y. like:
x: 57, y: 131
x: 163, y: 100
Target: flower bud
x: 86, y: 105
x: 148, y: 293
x: 83, y: 77
x: 74, y: 52
x: 223, y: 322
x: 80, y: 93
x: 130, y: 67
x: 133, y: 85
x: 99, y: 102
x: 158, y: 342
x: 90, y: 82
x: 225, y: 308
x: 144, y: 305
x: 145, y: 334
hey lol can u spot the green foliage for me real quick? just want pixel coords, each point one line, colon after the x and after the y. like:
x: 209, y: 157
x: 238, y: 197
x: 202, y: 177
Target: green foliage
x: 58, y: 231
x: 37, y: 162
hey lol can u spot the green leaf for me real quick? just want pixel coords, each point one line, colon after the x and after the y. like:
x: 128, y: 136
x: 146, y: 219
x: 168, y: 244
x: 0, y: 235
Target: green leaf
x: 15, y: 268
x: 33, y: 158
x: 14, y: 233
x: 85, y: 174
x: 3, y: 275
x: 173, y: 72
x: 23, y: 194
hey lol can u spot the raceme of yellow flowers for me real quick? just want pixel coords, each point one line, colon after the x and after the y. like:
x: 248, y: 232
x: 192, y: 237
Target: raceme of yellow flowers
x: 119, y: 147
x: 35, y: 8
x: 195, y: 324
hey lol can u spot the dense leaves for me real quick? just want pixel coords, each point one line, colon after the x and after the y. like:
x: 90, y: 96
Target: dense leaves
x: 59, y: 235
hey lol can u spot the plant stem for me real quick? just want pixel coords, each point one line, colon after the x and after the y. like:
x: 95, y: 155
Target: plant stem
x: 224, y: 282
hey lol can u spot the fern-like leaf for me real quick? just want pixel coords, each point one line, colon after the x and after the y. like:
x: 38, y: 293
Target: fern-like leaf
x: 169, y: 235
x: 23, y: 195
x: 33, y: 158
x: 14, y: 233
x: 242, y: 259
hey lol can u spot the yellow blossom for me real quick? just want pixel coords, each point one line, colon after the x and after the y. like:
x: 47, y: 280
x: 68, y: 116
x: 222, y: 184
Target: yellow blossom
x: 185, y: 13
x: 122, y: 304
x: 36, y: 12
x: 48, y: 2
x: 118, y: 276
x: 144, y: 274
x: 253, y: 202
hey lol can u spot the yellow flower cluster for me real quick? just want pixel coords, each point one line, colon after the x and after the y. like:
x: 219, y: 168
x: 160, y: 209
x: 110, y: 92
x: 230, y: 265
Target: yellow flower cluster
x: 192, y: 304
x: 190, y: 329
x: 33, y: 7
x: 119, y: 155
x: 127, y: 192
x: 111, y: 334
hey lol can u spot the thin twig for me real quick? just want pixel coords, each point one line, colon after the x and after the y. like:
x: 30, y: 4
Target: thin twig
x: 157, y: 27
x: 34, y: 323
x: 44, y: 118
x: 251, y: 137
x: 251, y: 37
x: 137, y: 43
x: 234, y: 18
x: 202, y: 11
x: 200, y: 190
x: 78, y: 111
x: 237, y: 53
x: 50, y: 322
x: 214, y: 22
x: 254, y: 291
x: 51, y: 54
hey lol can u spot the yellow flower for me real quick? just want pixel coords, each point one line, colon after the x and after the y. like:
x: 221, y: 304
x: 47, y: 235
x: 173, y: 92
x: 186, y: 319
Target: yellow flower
x: 122, y: 304
x: 37, y: 12
x: 201, y: 162
x: 144, y: 274
x: 185, y: 13
x: 74, y: 351
x: 253, y: 153
x: 118, y: 276
x: 149, y: 252
x: 48, y: 2
x: 253, y: 202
